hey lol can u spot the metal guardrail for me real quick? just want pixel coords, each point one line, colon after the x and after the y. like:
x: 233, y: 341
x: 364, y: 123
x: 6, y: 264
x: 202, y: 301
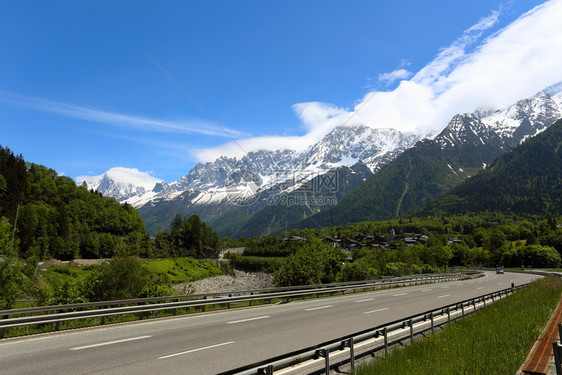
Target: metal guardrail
x: 377, y: 337
x: 63, y: 313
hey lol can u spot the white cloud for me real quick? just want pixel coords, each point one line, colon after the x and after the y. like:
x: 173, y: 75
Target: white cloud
x: 513, y: 63
x: 396, y: 75
x: 115, y: 119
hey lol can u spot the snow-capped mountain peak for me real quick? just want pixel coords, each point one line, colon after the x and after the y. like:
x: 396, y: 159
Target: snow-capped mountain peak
x: 120, y: 183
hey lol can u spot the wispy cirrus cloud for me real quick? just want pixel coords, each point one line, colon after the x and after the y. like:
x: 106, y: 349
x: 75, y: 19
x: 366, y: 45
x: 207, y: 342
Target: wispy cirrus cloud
x: 116, y: 119
x: 478, y: 69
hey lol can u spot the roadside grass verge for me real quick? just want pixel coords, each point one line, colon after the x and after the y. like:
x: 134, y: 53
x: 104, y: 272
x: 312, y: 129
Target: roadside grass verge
x: 494, y: 340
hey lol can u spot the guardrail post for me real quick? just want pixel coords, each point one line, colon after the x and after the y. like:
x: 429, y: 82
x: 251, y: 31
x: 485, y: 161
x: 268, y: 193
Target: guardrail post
x: 350, y: 344
x: 203, y: 307
x: 250, y: 301
x: 462, y: 308
x: 266, y: 370
x: 557, y: 361
x: 411, y: 324
x: 448, y: 315
x: 324, y: 353
x: 432, y: 325
x: 385, y: 333
x: 473, y: 305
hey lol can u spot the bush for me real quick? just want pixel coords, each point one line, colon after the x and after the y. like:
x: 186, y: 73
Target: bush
x: 122, y: 278
x: 315, y: 263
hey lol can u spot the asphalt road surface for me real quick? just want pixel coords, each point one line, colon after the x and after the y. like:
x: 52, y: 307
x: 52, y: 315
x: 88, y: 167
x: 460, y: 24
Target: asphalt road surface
x: 213, y: 342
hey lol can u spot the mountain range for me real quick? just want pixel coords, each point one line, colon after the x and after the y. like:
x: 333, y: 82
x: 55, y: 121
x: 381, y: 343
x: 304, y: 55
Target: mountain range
x: 468, y: 144
x: 525, y: 180
x: 371, y: 174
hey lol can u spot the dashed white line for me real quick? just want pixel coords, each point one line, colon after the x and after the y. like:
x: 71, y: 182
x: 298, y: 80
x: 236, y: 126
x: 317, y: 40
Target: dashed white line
x: 443, y: 296
x: 365, y: 300
x: 319, y: 308
x: 373, y: 311
x: 480, y: 287
x: 426, y: 290
x: 444, y: 287
x: 109, y: 343
x: 249, y: 320
x: 196, y: 350
x: 399, y: 294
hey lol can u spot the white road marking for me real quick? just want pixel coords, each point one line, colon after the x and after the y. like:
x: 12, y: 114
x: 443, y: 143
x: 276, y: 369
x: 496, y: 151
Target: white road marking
x: 426, y: 290
x: 399, y: 294
x: 318, y: 308
x: 109, y: 343
x: 368, y: 312
x: 480, y: 287
x: 444, y: 287
x: 196, y: 350
x: 443, y: 296
x: 249, y: 320
x: 365, y: 300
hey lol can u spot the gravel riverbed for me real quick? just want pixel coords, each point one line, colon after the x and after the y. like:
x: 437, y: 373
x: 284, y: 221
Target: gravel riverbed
x: 225, y: 283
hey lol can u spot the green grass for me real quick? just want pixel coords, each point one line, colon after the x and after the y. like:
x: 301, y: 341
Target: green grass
x: 495, y: 340
x: 179, y: 270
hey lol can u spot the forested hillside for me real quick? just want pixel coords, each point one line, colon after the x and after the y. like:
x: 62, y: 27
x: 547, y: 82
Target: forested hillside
x: 56, y: 218
x: 413, y: 179
x: 526, y: 180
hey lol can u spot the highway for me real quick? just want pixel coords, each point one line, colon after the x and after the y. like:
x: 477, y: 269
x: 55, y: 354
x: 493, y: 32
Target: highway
x: 213, y: 342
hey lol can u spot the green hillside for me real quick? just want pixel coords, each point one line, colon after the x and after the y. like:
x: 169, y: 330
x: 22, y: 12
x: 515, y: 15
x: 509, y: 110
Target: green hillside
x: 525, y: 180
x: 56, y: 218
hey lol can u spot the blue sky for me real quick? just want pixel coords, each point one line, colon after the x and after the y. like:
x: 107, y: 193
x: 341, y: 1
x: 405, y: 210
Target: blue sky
x: 158, y: 86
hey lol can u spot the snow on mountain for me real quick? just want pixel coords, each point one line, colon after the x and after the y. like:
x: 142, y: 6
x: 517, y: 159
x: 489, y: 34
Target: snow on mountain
x: 345, y: 146
x: 486, y: 131
x: 286, y: 169
x: 120, y: 183
x: 507, y: 127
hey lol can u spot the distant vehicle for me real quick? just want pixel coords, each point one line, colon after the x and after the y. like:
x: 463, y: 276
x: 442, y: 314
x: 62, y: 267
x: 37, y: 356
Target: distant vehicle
x: 499, y: 270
